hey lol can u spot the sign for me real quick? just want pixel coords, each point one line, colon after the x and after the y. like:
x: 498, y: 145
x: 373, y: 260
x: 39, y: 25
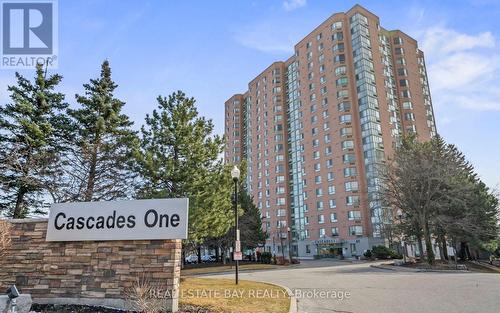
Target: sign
x: 119, y: 220
x: 238, y: 256
x: 237, y: 246
x: 28, y: 33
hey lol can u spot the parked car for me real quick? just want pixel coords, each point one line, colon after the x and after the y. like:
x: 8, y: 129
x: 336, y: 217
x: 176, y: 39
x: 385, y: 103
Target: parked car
x: 192, y: 259
x: 208, y: 258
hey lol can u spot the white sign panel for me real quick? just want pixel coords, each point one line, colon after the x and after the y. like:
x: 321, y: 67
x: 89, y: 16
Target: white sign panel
x: 119, y: 220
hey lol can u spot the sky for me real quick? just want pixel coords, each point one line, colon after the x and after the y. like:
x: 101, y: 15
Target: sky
x: 212, y: 49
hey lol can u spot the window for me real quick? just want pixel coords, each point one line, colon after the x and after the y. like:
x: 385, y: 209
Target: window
x: 322, y: 232
x: 333, y: 217
x: 330, y: 176
x: 322, y: 79
x: 338, y: 36
x: 347, y: 144
x: 317, y: 179
x: 321, y: 219
x: 399, y: 51
x: 308, y: 249
x: 402, y: 71
x: 338, y: 47
x: 409, y: 117
x: 342, y: 94
x: 329, y: 163
x: 403, y: 83
x: 331, y: 190
x: 346, y: 131
x: 351, y: 186
x: 400, y: 61
x: 356, y: 230
x: 407, y: 105
x: 350, y: 171
x: 344, y: 106
x: 339, y: 58
x: 335, y: 231
x: 336, y: 25
x: 352, y: 200
x: 346, y: 118
x: 405, y: 94
x: 327, y: 138
x: 319, y: 205
x: 354, y: 215
x: 280, y: 190
x: 342, y: 82
x: 317, y: 167
x: 280, y: 201
x: 328, y: 150
x: 349, y: 158
x: 319, y: 36
x: 308, y: 45
x: 398, y: 40
x: 332, y: 203
x: 319, y: 192
x: 316, y: 155
x: 341, y: 70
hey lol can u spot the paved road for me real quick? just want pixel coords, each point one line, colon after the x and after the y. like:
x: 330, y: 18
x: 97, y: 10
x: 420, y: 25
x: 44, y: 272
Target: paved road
x: 381, y: 291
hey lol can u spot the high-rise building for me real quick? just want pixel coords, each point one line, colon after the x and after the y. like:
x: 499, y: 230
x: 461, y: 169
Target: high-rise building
x: 313, y: 129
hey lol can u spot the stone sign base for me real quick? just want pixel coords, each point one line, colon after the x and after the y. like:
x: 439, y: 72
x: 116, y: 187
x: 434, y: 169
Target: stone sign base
x: 99, y: 273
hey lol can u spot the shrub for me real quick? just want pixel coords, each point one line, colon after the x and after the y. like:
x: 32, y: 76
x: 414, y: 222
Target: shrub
x: 368, y: 254
x: 265, y: 257
x: 141, y: 297
x: 382, y: 252
x: 5, y: 238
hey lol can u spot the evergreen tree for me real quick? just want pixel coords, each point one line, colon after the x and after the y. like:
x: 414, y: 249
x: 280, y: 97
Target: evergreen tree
x: 32, y: 127
x: 252, y: 235
x: 97, y: 163
x: 178, y: 156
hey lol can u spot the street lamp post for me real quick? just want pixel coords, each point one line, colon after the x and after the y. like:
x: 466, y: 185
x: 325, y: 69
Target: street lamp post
x: 235, y: 174
x: 400, y: 216
x: 289, y: 244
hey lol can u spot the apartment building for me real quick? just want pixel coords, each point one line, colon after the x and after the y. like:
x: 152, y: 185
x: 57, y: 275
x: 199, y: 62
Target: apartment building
x: 313, y: 129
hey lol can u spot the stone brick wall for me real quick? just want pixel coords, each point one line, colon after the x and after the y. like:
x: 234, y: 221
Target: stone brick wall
x: 87, y: 272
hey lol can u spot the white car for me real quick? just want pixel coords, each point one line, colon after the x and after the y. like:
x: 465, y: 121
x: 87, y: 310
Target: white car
x: 208, y: 258
x: 192, y: 259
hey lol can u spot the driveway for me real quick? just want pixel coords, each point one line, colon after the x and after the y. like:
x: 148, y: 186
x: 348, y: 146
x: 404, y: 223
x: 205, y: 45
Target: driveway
x: 374, y: 290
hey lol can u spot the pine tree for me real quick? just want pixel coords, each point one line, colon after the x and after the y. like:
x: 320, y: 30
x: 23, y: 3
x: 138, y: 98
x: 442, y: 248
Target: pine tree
x: 97, y: 163
x: 252, y: 235
x: 179, y: 157
x: 32, y: 127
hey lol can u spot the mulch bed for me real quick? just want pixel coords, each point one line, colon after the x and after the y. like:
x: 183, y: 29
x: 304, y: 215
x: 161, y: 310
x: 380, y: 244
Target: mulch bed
x: 51, y: 308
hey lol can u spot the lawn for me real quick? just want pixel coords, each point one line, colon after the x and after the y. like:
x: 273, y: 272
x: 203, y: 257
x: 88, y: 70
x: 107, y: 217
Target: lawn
x: 223, y: 296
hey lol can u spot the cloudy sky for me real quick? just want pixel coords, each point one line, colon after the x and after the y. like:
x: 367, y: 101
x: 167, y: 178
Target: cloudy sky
x: 211, y: 49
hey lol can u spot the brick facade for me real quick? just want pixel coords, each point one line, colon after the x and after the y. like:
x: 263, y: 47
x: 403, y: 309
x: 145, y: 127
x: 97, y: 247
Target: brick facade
x: 87, y: 272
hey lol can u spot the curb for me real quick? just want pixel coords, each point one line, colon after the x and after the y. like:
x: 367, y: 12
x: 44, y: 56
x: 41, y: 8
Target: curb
x: 294, y: 307
x: 419, y: 270
x: 293, y: 301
